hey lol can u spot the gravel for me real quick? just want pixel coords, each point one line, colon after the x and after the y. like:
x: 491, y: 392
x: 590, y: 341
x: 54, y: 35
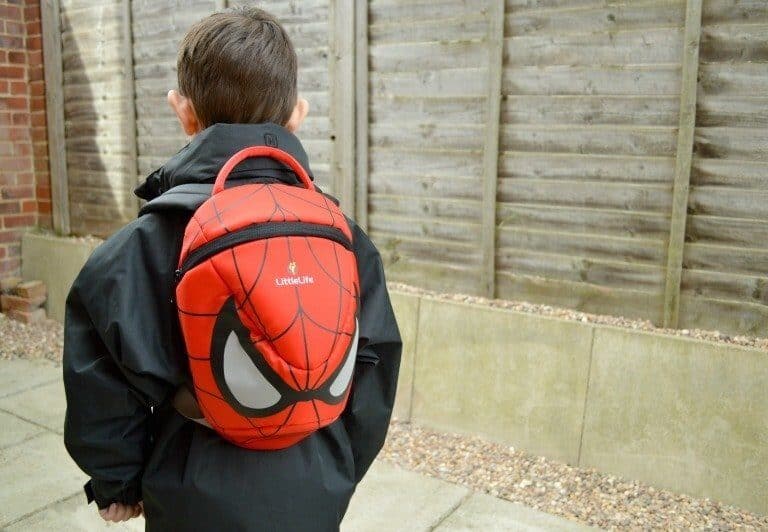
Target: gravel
x: 584, y: 317
x: 583, y: 495
x: 42, y: 340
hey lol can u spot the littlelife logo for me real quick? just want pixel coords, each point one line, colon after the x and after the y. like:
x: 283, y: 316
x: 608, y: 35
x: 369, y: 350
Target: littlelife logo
x: 294, y: 280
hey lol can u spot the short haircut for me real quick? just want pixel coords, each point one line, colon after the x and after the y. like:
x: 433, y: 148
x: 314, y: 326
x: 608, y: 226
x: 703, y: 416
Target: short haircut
x: 238, y: 67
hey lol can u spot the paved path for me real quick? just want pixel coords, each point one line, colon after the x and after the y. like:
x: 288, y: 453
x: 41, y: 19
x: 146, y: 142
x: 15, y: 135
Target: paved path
x: 40, y: 487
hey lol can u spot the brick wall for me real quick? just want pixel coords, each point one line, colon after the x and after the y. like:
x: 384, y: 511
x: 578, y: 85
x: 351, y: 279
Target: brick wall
x: 25, y: 194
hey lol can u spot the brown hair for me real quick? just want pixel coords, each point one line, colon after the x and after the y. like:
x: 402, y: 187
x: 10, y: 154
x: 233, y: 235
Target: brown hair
x: 238, y: 67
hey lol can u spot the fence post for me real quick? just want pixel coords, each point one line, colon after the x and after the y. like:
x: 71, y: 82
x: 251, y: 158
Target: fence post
x: 495, y: 43
x: 130, y: 131
x: 683, y: 160
x: 50, y: 16
x: 342, y: 95
x: 361, y: 114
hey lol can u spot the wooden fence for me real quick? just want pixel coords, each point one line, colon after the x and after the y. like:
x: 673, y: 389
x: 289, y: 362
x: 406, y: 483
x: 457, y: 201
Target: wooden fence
x: 604, y: 155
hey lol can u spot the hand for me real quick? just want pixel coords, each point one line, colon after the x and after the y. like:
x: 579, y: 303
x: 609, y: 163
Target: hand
x: 117, y: 512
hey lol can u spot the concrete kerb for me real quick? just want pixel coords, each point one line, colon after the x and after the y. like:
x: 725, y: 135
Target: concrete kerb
x: 675, y: 412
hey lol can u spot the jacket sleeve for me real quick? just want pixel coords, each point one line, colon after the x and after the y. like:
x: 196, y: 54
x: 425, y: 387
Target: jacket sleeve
x: 367, y: 415
x: 117, y: 364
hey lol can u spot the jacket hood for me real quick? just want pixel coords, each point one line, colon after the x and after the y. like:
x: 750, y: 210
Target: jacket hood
x: 199, y: 161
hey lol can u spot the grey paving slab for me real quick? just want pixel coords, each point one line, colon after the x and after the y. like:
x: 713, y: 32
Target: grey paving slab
x: 35, y: 474
x: 18, y: 375
x: 44, y: 404
x: 394, y: 499
x: 72, y: 515
x: 14, y: 430
x: 488, y: 514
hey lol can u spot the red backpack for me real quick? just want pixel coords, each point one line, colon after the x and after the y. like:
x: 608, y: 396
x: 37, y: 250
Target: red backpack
x: 268, y: 294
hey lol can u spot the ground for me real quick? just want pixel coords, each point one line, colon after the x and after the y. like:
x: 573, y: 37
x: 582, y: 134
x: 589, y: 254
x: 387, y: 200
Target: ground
x: 423, y: 480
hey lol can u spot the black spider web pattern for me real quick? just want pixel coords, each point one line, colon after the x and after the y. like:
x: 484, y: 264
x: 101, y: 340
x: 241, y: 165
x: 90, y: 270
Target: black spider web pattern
x: 301, y: 313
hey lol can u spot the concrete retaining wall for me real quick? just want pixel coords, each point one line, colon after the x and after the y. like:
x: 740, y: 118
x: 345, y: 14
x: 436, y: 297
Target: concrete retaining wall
x: 676, y: 413
x: 56, y: 261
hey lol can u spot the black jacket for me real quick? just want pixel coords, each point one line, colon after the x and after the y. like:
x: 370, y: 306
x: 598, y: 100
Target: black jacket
x: 124, y: 358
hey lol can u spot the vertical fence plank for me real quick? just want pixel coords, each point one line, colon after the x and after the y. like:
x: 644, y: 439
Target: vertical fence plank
x: 220, y: 5
x: 361, y: 113
x: 495, y: 43
x: 54, y: 105
x: 130, y: 131
x: 683, y: 159
x: 342, y: 92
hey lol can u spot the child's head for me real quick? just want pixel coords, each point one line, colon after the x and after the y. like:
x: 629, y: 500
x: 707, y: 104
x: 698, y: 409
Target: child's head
x: 237, y: 67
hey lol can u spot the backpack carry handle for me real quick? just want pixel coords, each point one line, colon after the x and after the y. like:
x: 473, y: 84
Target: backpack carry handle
x: 262, y: 151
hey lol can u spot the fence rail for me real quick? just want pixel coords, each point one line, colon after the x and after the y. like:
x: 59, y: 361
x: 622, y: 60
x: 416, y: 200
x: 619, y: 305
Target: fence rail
x: 605, y: 155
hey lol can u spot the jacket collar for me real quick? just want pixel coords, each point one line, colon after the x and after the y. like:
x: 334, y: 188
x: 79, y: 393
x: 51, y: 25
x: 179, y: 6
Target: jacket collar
x: 200, y: 160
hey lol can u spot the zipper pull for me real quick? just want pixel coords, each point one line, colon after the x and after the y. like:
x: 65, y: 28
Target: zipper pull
x: 177, y: 275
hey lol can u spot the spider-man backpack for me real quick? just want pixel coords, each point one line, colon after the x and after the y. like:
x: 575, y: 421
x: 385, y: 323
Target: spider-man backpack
x: 267, y: 295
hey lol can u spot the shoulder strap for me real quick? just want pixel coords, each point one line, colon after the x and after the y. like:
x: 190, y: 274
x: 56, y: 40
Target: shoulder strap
x: 183, y: 197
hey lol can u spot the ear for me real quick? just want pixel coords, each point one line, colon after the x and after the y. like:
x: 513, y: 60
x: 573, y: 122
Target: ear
x: 184, y: 110
x: 298, y: 115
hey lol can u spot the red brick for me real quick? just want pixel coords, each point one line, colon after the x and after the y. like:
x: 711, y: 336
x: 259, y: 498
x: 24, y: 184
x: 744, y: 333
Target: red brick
x: 18, y: 87
x: 2, y: 252
x: 39, y: 149
x: 42, y: 191
x: 31, y: 289
x: 33, y: 28
x: 44, y: 207
x: 28, y: 206
x: 21, y: 119
x: 35, y: 316
x: 13, y: 250
x: 10, y: 12
x: 18, y: 220
x: 11, y: 72
x: 3, y: 56
x: 35, y: 43
x: 37, y: 104
x: 41, y: 177
x: 15, y: 28
x: 39, y: 119
x: 9, y: 207
x: 35, y: 73
x: 37, y: 89
x: 13, y: 103
x: 22, y: 148
x: 15, y: 43
x: 32, y: 12
x: 39, y: 134
x: 18, y: 164
x: 10, y: 235
x: 25, y: 304
x: 17, y: 192
x: 10, y: 266
x: 25, y: 178
x: 9, y: 283
x: 8, y: 148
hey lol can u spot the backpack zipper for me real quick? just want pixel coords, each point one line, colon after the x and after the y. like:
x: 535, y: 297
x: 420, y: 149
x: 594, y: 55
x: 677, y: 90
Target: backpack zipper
x: 259, y: 231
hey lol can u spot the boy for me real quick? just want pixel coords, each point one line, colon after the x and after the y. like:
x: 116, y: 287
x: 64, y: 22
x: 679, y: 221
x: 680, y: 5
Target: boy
x: 124, y: 357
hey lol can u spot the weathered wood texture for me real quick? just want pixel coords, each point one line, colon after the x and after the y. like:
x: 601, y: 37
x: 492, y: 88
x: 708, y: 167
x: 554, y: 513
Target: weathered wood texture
x: 95, y: 116
x: 158, y: 28
x: 725, y: 260
x: 591, y: 102
x: 585, y: 121
x: 309, y: 25
x: 428, y: 103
